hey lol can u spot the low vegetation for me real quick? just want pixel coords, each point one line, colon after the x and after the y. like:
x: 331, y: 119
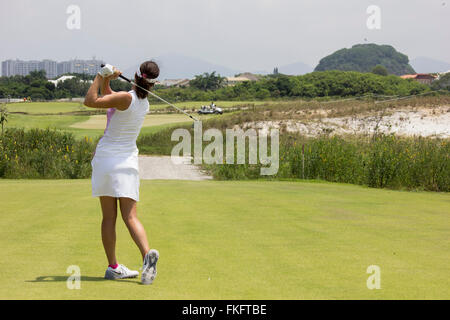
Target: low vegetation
x: 49, y: 154
x: 381, y: 161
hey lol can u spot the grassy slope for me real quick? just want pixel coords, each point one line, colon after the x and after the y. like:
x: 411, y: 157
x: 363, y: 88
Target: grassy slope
x: 247, y: 240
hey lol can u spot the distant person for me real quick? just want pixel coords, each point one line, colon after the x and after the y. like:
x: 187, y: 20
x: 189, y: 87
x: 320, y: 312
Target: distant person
x: 115, y: 168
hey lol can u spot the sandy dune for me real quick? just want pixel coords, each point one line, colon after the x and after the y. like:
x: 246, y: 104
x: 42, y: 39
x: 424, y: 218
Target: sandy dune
x: 426, y: 122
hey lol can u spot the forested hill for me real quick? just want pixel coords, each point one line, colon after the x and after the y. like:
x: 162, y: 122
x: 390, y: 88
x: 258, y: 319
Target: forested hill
x: 364, y: 57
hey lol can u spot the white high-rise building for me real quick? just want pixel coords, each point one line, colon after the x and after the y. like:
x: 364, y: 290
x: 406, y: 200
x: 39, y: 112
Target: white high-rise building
x: 52, y: 68
x: 63, y: 67
x: 90, y: 67
x: 8, y: 68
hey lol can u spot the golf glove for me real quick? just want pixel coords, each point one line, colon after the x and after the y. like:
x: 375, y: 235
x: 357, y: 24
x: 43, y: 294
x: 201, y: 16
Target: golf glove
x: 106, y: 71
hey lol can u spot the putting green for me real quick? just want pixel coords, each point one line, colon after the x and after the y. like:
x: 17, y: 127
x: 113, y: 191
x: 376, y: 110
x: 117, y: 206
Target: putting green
x: 229, y: 240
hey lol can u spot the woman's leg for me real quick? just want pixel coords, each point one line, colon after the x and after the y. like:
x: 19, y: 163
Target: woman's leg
x: 109, y: 209
x: 136, y: 229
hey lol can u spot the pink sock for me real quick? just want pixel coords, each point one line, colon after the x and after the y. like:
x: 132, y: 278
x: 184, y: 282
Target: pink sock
x: 114, y: 266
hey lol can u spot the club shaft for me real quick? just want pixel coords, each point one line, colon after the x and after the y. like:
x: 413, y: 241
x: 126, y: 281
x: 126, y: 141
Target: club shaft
x: 156, y: 96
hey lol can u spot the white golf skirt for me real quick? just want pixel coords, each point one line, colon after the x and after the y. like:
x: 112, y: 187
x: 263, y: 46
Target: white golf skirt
x: 115, y: 177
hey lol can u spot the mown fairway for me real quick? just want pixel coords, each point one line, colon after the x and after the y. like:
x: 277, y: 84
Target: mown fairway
x: 151, y: 120
x: 46, y: 107
x: 57, y: 107
x: 88, y: 126
x: 229, y: 240
x: 59, y: 115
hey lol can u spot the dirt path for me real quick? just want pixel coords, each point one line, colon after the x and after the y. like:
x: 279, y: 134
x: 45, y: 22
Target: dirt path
x: 162, y: 167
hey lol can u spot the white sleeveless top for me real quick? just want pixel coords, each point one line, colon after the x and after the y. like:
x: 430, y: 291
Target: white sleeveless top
x: 119, y: 139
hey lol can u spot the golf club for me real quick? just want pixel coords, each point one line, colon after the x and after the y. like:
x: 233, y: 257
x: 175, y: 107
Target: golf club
x: 155, y: 95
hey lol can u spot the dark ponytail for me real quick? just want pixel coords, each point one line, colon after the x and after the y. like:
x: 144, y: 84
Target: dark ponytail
x: 149, y: 70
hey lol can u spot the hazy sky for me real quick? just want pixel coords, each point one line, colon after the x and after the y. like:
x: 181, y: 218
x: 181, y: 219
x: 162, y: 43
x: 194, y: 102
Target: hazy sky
x: 240, y: 34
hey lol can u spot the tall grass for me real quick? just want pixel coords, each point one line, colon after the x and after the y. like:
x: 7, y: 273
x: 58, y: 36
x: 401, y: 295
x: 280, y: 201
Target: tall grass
x: 49, y: 154
x: 381, y: 161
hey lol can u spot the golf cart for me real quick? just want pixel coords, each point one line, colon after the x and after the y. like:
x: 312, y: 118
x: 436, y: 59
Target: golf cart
x: 211, y: 109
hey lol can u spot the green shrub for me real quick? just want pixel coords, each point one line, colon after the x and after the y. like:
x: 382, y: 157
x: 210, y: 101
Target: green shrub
x: 38, y: 153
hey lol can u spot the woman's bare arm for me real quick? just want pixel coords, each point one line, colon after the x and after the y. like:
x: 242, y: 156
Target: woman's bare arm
x: 105, y: 88
x: 119, y: 100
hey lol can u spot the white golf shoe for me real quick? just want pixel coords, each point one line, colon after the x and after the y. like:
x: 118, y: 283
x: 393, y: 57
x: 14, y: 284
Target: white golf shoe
x: 121, y: 272
x: 149, y: 268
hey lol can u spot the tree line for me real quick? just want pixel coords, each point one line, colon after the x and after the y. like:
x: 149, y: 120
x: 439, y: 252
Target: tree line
x: 36, y: 86
x: 214, y: 87
x: 316, y: 84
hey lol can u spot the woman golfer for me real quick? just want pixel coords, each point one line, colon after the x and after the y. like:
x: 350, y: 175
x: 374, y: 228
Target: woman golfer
x: 115, y: 168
